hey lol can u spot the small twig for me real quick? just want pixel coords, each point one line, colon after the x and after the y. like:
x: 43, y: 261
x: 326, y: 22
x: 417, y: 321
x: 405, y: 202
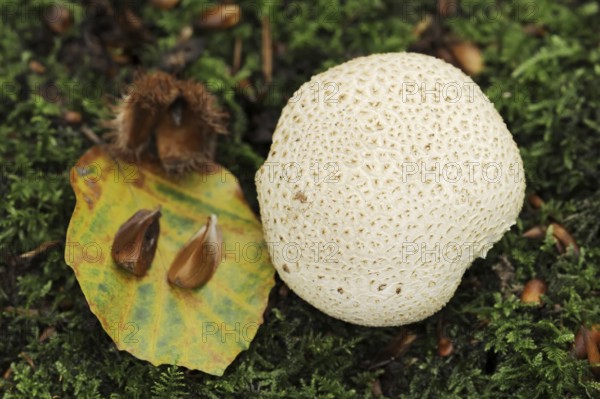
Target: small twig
x: 395, y: 349
x: 28, y: 359
x: 41, y: 248
x: 93, y: 137
x: 21, y: 311
x: 445, y: 346
x: 47, y: 333
x: 267, y: 50
x: 237, y: 55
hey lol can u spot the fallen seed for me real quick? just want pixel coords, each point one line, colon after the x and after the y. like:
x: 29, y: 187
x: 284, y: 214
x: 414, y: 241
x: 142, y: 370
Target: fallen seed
x: 565, y: 238
x: 468, y: 56
x: 135, y: 243
x: 533, y: 291
x: 221, y: 16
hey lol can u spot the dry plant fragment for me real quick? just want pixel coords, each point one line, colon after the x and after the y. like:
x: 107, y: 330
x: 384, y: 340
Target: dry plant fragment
x: 505, y: 272
x: 447, y: 7
x: 422, y: 25
x: 534, y: 30
x: 118, y: 55
x: 579, y: 348
x: 185, y: 33
x: 535, y: 232
x: 135, y: 243
x: 395, y: 349
x: 535, y: 200
x: 37, y: 67
x: 237, y: 55
x: 183, y: 53
x: 445, y: 347
x: 197, y: 261
x: 565, y: 238
x: 267, y: 50
x: 48, y: 333
x: 533, y: 291
x: 591, y: 347
x: 164, y: 4
x: 40, y: 249
x: 376, y: 388
x: 28, y: 359
x: 73, y: 117
x: 468, y: 57
x: 58, y: 18
x: 170, y: 120
x: 586, y: 346
x: 284, y: 290
x: 221, y: 16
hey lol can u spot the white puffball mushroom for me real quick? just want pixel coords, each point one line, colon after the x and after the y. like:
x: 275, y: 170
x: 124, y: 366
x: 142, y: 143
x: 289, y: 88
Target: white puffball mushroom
x: 388, y: 175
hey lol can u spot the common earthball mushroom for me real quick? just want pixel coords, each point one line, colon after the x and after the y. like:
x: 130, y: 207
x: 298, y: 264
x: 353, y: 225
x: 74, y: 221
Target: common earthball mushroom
x: 388, y: 175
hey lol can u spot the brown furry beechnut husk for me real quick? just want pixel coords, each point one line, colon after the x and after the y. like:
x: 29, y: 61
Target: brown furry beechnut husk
x: 175, y: 122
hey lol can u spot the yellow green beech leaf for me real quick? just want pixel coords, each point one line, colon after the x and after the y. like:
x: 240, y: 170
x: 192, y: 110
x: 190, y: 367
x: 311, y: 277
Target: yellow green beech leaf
x: 203, y: 328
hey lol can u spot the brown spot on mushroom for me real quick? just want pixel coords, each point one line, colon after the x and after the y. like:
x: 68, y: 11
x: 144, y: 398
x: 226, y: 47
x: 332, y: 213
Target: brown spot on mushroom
x: 300, y: 196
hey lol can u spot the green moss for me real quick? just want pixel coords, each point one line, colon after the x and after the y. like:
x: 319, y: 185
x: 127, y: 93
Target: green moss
x: 545, y: 86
